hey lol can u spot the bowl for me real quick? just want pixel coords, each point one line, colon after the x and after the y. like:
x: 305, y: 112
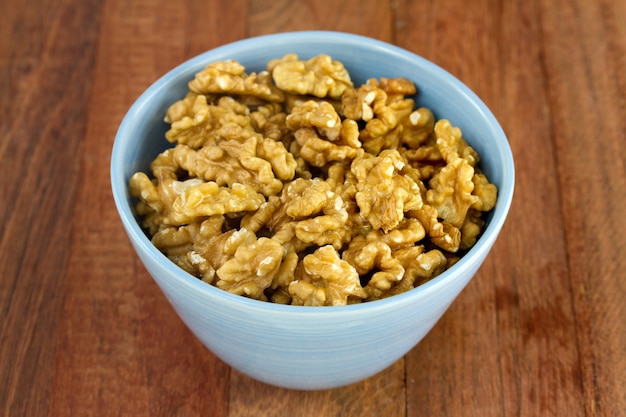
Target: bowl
x: 303, y: 347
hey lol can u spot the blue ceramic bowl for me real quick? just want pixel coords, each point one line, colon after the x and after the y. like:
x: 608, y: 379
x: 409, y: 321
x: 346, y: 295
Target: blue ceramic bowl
x: 311, y: 347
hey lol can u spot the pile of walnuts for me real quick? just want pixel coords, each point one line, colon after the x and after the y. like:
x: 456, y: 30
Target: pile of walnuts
x: 294, y: 186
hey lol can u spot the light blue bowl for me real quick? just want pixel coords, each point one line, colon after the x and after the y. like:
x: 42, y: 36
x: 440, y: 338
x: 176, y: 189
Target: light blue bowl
x: 311, y: 347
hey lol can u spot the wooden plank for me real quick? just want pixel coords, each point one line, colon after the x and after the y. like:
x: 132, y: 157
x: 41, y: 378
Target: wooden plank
x: 373, y: 19
x: 588, y: 109
x: 42, y: 126
x: 380, y: 395
x: 121, y: 348
x: 504, y: 347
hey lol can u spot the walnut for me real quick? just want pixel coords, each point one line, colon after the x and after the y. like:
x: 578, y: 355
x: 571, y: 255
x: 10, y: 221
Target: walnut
x: 177, y: 243
x: 320, y: 76
x: 282, y: 162
x: 471, y: 228
x: 229, y: 77
x: 485, y: 191
x: 252, y: 268
x: 383, y: 194
x: 319, y: 115
x: 382, y: 114
x: 349, y: 134
x: 202, y: 199
x: 320, y: 213
x: 233, y: 162
x: 359, y: 103
x: 267, y: 216
x: 172, y: 202
x: 157, y: 199
x: 286, y: 236
x: 294, y: 100
x: 343, y: 182
x: 336, y: 177
x: 408, y: 232
x: 423, y: 266
x: 323, y: 278
x: 407, y: 254
x: 217, y: 245
x: 201, y: 247
x: 374, y: 259
x: 308, y: 212
x: 279, y: 288
x: 385, y: 130
x: 442, y: 234
x: 397, y: 87
x: 150, y: 205
x: 452, y: 145
x: 273, y: 220
x: 427, y: 154
x: 164, y: 167
x: 429, y: 265
x: 212, y: 247
x: 319, y: 152
x: 270, y: 121
x: 303, y: 198
x: 418, y: 126
x: 451, y: 191
x: 195, y: 122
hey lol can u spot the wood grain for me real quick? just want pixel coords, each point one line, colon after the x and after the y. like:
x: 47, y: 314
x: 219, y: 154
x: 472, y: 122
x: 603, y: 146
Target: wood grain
x: 371, y: 18
x: 40, y: 58
x: 594, y: 94
x: 382, y: 394
x: 122, y: 329
x: 539, y: 331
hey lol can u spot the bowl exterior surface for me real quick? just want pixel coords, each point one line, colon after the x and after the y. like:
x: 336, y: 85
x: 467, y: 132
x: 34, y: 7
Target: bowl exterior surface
x: 311, y: 347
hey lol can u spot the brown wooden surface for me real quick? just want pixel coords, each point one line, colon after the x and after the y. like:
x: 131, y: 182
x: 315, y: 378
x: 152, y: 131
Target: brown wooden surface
x: 540, y: 331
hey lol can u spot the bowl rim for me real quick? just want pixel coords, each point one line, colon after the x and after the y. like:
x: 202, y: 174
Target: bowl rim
x: 137, y: 236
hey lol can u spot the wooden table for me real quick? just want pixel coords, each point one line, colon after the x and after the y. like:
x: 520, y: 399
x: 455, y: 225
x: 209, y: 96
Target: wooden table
x: 540, y: 331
